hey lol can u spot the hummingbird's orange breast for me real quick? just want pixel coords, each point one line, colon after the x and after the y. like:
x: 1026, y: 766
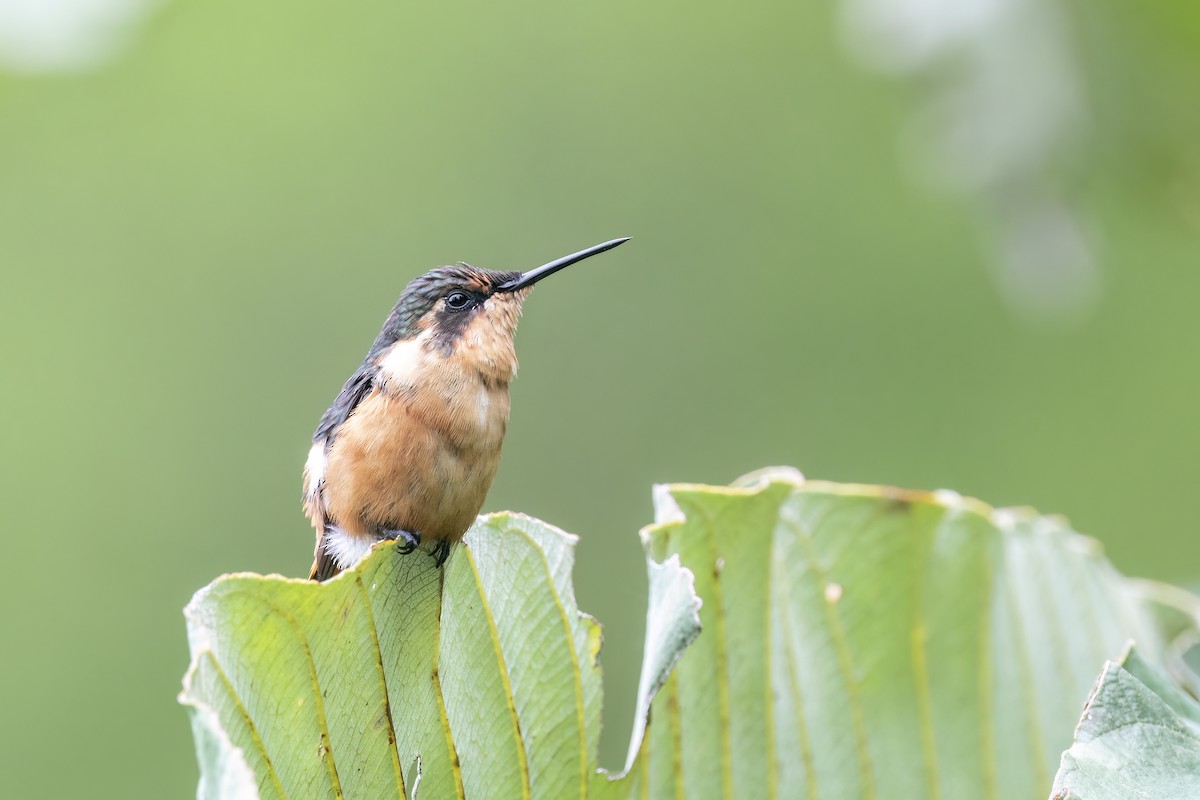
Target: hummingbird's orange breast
x: 394, y: 467
x: 420, y: 452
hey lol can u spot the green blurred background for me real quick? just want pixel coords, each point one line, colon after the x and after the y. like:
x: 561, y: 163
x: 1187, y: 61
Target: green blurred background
x: 882, y: 242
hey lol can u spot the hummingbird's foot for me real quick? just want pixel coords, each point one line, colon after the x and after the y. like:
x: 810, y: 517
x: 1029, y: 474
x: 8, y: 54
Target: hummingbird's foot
x: 410, y: 540
x: 440, y: 552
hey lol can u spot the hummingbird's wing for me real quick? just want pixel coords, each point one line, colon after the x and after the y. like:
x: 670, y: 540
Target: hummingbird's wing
x: 356, y: 388
x: 353, y: 392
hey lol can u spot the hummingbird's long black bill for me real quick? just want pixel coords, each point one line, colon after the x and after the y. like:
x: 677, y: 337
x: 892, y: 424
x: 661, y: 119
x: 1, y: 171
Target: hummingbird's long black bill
x: 534, y: 275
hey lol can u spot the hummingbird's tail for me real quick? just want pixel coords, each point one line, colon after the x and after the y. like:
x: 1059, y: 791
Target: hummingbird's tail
x: 324, y: 566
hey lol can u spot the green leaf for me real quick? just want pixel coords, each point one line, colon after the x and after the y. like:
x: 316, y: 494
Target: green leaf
x: 397, y: 679
x: 857, y: 642
x: 1139, y: 737
x: 865, y: 642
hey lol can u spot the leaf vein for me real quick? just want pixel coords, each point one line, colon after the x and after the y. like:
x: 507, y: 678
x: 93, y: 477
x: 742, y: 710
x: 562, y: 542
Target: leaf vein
x: 1025, y: 662
x: 506, y: 681
x: 987, y: 710
x: 327, y: 756
x: 676, y: 725
x: 806, y: 754
x: 920, y: 663
x: 576, y: 670
x: 249, y: 722
x: 387, y: 704
x: 722, y: 655
x: 845, y: 663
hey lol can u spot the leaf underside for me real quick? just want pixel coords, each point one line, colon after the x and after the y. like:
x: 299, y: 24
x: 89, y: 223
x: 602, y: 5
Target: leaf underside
x: 857, y: 642
x: 1139, y: 737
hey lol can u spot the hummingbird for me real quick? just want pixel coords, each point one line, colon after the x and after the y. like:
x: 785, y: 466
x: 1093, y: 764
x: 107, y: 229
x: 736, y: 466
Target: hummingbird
x: 409, y: 448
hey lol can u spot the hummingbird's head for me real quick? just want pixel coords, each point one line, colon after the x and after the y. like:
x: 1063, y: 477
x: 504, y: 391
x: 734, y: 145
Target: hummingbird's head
x: 461, y: 305
x: 446, y: 304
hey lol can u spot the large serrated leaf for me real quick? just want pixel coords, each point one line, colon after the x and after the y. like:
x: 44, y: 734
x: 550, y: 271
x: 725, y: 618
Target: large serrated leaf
x: 399, y: 680
x: 866, y: 642
x: 857, y: 642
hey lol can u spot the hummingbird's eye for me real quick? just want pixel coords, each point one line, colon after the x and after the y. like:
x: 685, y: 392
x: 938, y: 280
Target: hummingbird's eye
x: 457, y: 301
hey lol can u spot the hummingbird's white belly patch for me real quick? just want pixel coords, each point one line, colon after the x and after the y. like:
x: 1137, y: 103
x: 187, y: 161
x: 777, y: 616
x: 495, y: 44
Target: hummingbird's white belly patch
x: 347, y: 550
